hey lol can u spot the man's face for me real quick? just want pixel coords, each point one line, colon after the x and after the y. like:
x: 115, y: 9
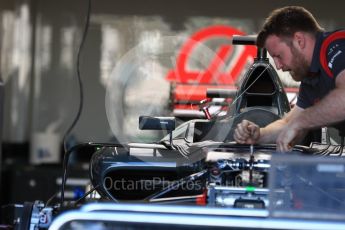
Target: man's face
x: 287, y: 57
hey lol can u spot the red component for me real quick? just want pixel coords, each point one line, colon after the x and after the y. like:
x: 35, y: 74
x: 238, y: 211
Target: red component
x: 207, y: 113
x: 202, y: 199
x: 298, y: 204
x: 189, y: 107
x: 291, y: 90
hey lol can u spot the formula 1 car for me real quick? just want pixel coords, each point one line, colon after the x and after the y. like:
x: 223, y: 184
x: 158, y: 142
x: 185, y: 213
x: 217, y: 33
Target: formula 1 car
x: 202, y: 152
x: 187, y: 149
x: 197, y: 176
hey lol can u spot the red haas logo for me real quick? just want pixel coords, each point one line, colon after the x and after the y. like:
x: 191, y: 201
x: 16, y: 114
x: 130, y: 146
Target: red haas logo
x: 191, y: 85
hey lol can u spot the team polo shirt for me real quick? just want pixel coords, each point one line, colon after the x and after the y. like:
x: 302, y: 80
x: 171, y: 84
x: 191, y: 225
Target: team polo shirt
x: 318, y: 83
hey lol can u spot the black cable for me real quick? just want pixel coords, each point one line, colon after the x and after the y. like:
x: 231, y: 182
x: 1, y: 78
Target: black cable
x: 64, y: 169
x: 66, y: 158
x: 81, y: 95
x: 85, y: 195
x: 51, y: 199
x: 81, y: 92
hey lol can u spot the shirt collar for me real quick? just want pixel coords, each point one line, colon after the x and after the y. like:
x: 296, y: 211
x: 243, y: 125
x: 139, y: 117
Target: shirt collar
x: 315, y: 62
x: 314, y: 70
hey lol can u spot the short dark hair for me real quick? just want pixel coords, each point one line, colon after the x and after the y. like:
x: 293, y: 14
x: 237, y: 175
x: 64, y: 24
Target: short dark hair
x: 286, y: 22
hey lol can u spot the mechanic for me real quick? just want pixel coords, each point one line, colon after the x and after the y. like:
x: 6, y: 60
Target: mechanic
x: 316, y: 58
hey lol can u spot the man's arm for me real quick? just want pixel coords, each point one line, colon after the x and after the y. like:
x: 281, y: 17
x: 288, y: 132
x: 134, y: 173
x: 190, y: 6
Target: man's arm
x: 247, y: 132
x: 331, y: 109
x: 270, y: 133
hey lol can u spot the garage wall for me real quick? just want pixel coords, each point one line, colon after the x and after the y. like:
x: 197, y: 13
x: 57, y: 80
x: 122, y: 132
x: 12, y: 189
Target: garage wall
x: 48, y: 101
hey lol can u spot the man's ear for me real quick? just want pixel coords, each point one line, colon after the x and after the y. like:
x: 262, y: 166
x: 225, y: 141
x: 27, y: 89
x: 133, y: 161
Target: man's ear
x: 299, y: 40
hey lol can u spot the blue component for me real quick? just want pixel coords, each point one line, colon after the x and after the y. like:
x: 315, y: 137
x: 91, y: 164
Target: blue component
x: 78, y: 193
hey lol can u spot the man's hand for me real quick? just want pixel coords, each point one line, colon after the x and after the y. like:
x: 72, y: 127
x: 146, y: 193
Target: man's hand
x: 247, y: 132
x: 288, y: 137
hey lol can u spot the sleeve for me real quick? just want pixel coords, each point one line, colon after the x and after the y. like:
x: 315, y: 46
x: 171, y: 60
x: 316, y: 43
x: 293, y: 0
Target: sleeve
x: 303, y: 99
x: 336, y: 57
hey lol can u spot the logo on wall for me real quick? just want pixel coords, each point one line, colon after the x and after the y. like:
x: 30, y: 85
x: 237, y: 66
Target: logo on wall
x: 222, y: 69
x: 213, y: 73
